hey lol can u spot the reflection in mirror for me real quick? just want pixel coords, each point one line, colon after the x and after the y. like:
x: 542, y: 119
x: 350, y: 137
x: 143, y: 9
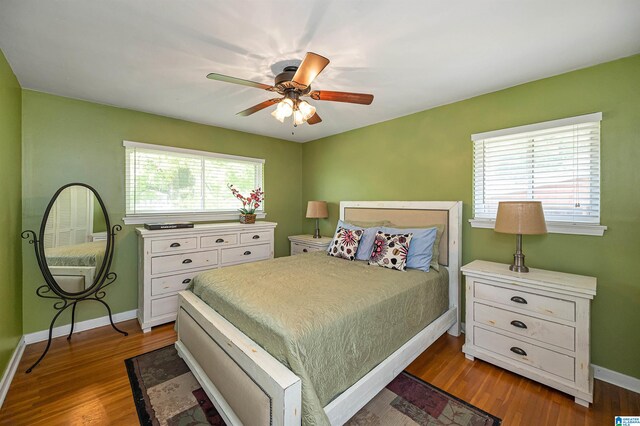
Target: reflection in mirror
x: 75, y: 239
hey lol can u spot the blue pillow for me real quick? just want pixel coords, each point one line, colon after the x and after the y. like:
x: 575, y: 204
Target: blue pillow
x: 365, y: 247
x: 421, y: 247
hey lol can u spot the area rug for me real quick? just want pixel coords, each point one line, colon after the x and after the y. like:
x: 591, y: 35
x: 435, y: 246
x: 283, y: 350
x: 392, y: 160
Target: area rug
x: 166, y: 393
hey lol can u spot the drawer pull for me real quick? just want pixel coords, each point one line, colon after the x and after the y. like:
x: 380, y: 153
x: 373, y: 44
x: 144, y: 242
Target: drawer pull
x: 517, y: 350
x: 187, y: 261
x: 519, y: 299
x: 305, y: 250
x: 187, y: 281
x: 518, y: 324
x: 247, y: 253
x: 256, y: 237
x: 175, y: 245
x: 220, y: 240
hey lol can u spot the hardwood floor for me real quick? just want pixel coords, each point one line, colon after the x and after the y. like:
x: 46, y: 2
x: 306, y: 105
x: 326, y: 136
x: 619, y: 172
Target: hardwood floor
x: 85, y: 382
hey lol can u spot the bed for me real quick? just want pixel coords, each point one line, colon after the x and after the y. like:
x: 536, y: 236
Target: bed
x: 74, y: 266
x: 331, y: 337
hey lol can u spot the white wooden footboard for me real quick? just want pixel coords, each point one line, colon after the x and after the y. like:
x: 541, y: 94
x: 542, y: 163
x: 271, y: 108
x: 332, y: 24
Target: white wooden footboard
x: 249, y: 386
x: 245, y: 383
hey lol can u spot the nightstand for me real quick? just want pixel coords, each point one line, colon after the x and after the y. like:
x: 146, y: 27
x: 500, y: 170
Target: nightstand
x: 535, y: 324
x: 306, y: 243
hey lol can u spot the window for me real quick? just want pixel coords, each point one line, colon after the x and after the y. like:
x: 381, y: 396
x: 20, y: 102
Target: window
x: 166, y: 183
x: 556, y: 162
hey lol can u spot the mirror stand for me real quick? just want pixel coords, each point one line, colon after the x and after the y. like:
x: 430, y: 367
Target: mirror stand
x: 51, y: 290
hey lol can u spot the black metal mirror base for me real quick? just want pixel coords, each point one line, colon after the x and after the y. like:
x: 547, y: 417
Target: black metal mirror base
x: 65, y: 298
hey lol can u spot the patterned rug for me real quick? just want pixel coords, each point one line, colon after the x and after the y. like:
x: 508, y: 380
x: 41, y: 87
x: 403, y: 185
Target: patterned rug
x: 166, y: 393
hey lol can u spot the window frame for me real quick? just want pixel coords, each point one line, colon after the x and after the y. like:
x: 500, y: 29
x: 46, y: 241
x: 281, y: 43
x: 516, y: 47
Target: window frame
x: 557, y: 227
x: 138, y: 219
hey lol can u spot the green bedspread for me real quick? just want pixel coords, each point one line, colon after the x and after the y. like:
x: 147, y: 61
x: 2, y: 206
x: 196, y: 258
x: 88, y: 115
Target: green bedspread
x: 84, y: 254
x: 329, y: 320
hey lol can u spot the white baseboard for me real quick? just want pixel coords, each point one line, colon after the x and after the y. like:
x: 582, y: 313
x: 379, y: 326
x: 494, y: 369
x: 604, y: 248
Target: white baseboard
x: 11, y: 369
x: 63, y: 330
x: 615, y: 378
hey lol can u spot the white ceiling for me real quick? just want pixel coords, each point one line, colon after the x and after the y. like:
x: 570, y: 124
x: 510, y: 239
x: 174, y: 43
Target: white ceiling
x: 153, y: 55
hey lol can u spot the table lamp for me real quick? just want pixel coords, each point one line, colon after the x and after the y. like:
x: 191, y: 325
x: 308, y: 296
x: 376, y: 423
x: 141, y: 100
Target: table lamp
x: 317, y: 210
x: 520, y: 218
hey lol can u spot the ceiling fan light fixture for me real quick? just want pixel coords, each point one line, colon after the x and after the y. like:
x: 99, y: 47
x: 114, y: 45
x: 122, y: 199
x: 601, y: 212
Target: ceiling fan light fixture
x: 286, y: 106
x: 283, y: 110
x: 298, y: 118
x: 276, y: 114
x: 306, y: 109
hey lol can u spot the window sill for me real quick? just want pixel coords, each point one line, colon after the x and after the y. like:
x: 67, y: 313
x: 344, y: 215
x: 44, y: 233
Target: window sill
x: 186, y: 217
x: 552, y: 227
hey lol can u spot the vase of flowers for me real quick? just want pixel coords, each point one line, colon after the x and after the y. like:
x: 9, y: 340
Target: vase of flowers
x: 249, y: 204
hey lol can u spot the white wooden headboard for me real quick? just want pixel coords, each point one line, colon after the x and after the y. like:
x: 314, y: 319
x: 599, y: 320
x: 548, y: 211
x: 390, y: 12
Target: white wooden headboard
x: 420, y: 213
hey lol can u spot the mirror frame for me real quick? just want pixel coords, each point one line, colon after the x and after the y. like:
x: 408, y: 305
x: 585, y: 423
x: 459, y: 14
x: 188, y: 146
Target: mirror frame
x: 101, y: 275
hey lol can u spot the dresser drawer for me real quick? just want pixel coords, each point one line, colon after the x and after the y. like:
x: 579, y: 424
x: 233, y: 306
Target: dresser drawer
x: 218, y: 240
x: 179, y: 262
x: 246, y: 254
x: 174, y: 244
x: 171, y: 283
x: 164, y: 306
x: 534, y: 356
x: 542, y: 330
x: 549, y: 306
x: 255, y: 237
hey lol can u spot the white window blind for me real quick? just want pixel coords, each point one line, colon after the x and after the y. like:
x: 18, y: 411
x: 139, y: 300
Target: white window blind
x: 557, y: 163
x: 167, y: 181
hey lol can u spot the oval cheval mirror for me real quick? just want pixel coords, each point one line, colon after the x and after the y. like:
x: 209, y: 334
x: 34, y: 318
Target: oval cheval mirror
x: 74, y: 249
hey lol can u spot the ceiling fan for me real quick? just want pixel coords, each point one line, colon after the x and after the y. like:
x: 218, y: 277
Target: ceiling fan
x: 293, y: 83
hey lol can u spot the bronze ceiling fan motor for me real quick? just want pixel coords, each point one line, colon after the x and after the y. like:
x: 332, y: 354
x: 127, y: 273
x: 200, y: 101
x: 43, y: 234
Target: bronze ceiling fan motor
x: 294, y: 82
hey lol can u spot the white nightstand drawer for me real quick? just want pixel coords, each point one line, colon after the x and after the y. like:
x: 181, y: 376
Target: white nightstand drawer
x: 166, y: 305
x: 549, y: 306
x: 172, y: 283
x: 255, y: 237
x: 174, y: 244
x: 180, y: 262
x: 545, y: 331
x: 245, y: 254
x: 543, y: 359
x: 302, y: 248
x: 218, y: 240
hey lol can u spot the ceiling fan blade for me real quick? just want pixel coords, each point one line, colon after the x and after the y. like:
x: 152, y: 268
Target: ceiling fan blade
x: 353, y: 98
x: 260, y: 106
x: 315, y: 119
x: 311, y: 66
x: 227, y: 79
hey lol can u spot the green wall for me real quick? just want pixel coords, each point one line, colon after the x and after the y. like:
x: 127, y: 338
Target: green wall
x: 66, y: 140
x: 10, y: 213
x: 427, y: 156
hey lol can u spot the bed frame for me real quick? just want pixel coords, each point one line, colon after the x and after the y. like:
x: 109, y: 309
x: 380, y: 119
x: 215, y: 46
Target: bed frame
x: 249, y: 386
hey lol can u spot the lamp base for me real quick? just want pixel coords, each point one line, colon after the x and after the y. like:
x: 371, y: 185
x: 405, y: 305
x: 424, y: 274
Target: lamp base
x: 515, y: 267
x: 518, y: 257
x: 316, y: 234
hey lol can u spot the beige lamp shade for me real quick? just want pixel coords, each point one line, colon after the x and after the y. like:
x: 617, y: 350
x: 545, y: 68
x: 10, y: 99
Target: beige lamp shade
x: 317, y: 210
x: 520, y: 217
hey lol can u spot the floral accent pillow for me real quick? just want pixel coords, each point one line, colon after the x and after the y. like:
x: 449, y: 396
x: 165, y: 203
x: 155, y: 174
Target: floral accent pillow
x: 345, y: 243
x: 390, y: 250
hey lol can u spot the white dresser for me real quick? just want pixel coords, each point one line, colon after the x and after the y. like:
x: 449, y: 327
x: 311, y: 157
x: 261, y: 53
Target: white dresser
x: 169, y: 259
x: 306, y: 243
x: 535, y: 324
